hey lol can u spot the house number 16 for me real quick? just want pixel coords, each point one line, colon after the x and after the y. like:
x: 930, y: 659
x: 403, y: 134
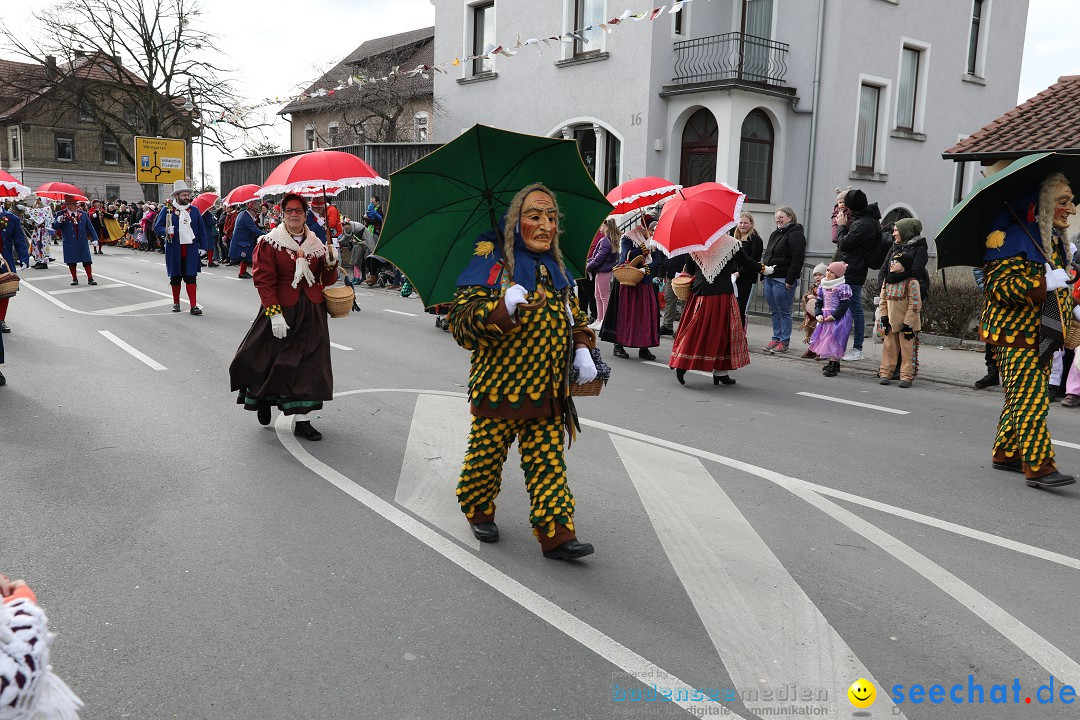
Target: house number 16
x: 635, y: 119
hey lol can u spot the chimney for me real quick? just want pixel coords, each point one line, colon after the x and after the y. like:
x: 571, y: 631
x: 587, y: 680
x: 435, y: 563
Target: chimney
x: 50, y: 67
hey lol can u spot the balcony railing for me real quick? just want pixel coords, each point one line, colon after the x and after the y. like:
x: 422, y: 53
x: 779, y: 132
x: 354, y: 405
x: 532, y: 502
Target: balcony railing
x: 732, y: 57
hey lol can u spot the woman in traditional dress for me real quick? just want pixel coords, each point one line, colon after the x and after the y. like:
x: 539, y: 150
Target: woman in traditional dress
x: 285, y: 358
x: 633, y: 315
x: 710, y: 336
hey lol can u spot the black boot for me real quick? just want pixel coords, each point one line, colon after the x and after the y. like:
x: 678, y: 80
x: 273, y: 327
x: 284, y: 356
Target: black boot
x: 3, y: 380
x: 303, y: 429
x: 723, y: 380
x: 570, y: 550
x: 264, y: 413
x: 487, y: 532
x: 680, y: 375
x: 644, y: 354
x: 831, y: 369
x: 620, y: 352
x: 988, y: 380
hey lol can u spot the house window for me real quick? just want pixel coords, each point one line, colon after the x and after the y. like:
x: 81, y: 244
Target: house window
x: 680, y: 21
x: 65, y: 147
x: 908, y: 90
x: 112, y: 192
x: 110, y: 152
x: 420, y: 120
x: 332, y: 135
x: 756, y: 157
x: 86, y: 111
x: 977, y: 8
x: 867, y: 130
x: 700, y: 140
x: 309, y: 138
x: 614, y: 163
x: 483, y: 35
x: 14, y: 143
x: 959, y: 189
x: 588, y: 14
x: 585, y: 137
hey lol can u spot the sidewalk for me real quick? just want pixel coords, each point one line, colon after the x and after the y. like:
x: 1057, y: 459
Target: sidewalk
x: 960, y: 366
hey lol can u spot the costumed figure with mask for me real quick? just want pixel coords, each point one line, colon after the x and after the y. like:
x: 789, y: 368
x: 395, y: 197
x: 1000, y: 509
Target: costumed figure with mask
x: 711, y: 337
x: 521, y: 360
x: 41, y: 219
x: 180, y: 224
x: 75, y: 228
x: 12, y: 245
x: 285, y: 358
x: 1027, y: 314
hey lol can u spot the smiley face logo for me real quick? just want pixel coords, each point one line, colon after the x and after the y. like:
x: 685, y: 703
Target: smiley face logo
x: 862, y: 693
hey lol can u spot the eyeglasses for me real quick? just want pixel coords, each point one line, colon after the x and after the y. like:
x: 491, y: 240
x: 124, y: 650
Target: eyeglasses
x: 293, y: 211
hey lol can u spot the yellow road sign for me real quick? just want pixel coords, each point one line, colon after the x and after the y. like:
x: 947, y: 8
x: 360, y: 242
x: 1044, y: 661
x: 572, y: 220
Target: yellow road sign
x: 160, y: 160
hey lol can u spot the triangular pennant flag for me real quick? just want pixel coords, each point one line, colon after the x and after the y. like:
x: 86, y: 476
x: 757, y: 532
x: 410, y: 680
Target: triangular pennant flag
x: 657, y: 12
x: 517, y: 43
x: 606, y: 28
x: 455, y: 62
x: 638, y: 17
x: 577, y: 36
x: 503, y: 51
x: 675, y: 8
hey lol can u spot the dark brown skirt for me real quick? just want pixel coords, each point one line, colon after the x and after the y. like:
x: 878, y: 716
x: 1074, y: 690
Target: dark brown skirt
x: 293, y: 373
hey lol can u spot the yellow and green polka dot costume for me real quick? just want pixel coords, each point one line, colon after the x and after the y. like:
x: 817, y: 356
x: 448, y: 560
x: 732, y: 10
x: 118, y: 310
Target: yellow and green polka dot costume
x: 517, y: 392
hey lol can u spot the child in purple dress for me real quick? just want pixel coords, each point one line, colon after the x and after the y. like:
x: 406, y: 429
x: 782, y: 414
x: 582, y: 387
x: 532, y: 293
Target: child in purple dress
x: 834, y: 319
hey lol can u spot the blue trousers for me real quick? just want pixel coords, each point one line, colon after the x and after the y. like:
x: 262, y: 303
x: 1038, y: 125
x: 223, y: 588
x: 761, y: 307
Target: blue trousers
x: 779, y: 297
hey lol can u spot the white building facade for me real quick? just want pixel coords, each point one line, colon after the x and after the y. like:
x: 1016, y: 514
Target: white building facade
x: 785, y: 99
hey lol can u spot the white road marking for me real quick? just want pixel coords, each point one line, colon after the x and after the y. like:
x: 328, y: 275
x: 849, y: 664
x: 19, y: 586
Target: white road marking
x: 853, y: 402
x: 135, y: 353
x: 1062, y: 443
x: 142, y: 260
x: 399, y: 312
x: 634, y: 665
x: 764, y: 627
x: 666, y: 367
x: 84, y: 288
x: 437, y: 442
x: 136, y: 306
x: 339, y: 347
x: 36, y: 278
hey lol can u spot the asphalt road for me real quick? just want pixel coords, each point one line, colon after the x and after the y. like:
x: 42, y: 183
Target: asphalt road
x: 754, y: 539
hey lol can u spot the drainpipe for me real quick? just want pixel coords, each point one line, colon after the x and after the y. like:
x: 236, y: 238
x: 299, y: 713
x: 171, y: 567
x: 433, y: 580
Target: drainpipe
x: 814, y: 115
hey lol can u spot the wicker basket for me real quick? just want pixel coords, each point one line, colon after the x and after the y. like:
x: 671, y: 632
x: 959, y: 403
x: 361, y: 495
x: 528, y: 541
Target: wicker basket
x: 589, y: 389
x: 627, y: 275
x: 339, y: 300
x: 681, y: 286
x: 9, y: 281
x: 1072, y: 339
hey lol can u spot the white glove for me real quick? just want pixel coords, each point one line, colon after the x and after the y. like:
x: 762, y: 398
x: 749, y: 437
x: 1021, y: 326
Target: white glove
x: 1076, y: 312
x: 585, y: 366
x: 877, y: 299
x: 279, y: 327
x: 1072, y: 250
x: 769, y: 269
x: 1056, y: 278
x: 515, y: 295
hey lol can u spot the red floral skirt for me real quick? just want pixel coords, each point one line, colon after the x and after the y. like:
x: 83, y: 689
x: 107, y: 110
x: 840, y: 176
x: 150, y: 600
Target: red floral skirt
x: 710, y: 336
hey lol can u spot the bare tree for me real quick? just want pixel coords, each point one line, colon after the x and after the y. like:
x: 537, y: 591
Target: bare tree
x: 136, y: 67
x: 262, y: 148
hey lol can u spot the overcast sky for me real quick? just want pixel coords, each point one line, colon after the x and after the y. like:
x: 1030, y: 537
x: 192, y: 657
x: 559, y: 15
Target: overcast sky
x: 276, y: 48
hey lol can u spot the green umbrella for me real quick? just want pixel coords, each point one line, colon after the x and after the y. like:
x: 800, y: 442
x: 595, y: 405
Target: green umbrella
x: 441, y: 203
x: 962, y: 240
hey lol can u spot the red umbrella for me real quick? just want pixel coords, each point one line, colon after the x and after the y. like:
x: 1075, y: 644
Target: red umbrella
x: 697, y: 217
x: 242, y: 195
x: 57, y: 191
x: 640, y: 193
x: 205, y: 201
x: 11, y: 188
x: 317, y: 169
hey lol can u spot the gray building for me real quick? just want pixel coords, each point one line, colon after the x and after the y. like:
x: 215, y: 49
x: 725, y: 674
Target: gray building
x: 785, y: 99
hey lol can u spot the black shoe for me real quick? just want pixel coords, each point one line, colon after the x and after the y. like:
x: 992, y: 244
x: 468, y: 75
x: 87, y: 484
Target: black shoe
x: 644, y: 354
x: 884, y: 380
x: 1012, y: 465
x: 213, y: 265
x: 831, y: 369
x: 1053, y: 480
x: 680, y: 375
x: 244, y: 276
x: 666, y: 330
x: 905, y: 384
x: 176, y: 307
x: 723, y: 380
x: 196, y: 310
x: 988, y: 380
x: 486, y: 532
x: 91, y: 282
x: 264, y: 414
x: 620, y: 352
x: 74, y: 282
x: 570, y: 550
x: 3, y: 380
x: 303, y: 429
x: 3, y: 327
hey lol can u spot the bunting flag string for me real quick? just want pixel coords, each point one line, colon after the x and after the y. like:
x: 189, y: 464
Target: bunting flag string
x: 359, y: 80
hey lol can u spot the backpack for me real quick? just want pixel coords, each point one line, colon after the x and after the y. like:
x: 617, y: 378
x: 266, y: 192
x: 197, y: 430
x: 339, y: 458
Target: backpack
x: 875, y: 256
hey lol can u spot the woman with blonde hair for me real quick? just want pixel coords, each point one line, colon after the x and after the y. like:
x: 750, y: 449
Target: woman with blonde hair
x: 601, y: 263
x: 751, y: 244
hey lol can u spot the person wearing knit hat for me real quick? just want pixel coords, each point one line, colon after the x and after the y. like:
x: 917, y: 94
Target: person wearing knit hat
x: 833, y: 315
x: 900, y: 307
x: 809, y: 304
x: 858, y: 232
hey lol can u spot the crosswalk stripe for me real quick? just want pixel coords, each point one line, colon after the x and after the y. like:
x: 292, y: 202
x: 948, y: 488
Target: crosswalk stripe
x: 85, y: 288
x: 768, y: 632
x: 433, y: 455
x: 853, y: 402
x: 136, y: 306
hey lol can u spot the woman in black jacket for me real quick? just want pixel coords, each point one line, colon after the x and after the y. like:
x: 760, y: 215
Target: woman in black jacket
x: 783, y: 261
x: 752, y: 245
